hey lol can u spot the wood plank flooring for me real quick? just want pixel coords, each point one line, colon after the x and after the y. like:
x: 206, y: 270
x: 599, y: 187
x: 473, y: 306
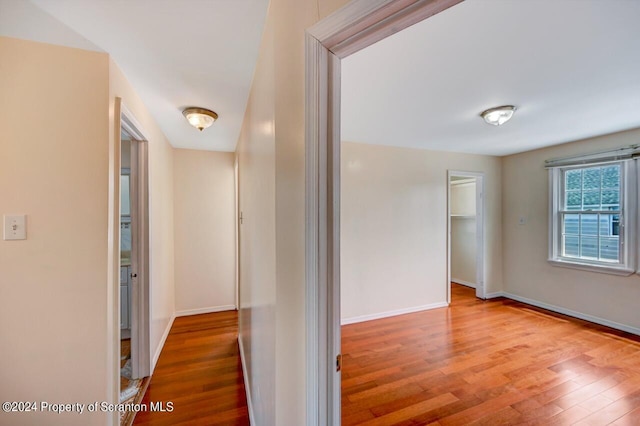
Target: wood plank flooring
x: 478, y: 362
x: 494, y: 362
x: 199, y: 371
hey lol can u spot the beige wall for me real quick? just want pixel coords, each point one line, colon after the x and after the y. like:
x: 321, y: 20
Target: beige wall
x: 54, y: 168
x: 161, y: 239
x: 257, y: 286
x: 204, y: 228
x: 271, y: 162
x: 526, y: 271
x: 463, y: 232
x: 394, y: 226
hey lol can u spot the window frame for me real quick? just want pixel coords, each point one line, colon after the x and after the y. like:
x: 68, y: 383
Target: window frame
x: 627, y: 212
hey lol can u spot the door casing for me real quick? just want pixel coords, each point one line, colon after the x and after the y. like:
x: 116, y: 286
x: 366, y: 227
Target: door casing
x: 481, y: 291
x: 357, y: 25
x: 140, y: 259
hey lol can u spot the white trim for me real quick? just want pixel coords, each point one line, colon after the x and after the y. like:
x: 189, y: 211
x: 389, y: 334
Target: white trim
x: 387, y: 314
x: 316, y: 303
x: 141, y: 256
x: 361, y: 23
x: 496, y: 295
x: 163, y: 339
x: 628, y: 226
x: 571, y: 313
x: 602, y: 269
x: 207, y: 310
x: 245, y: 378
x: 465, y: 283
x: 355, y: 26
x: 131, y: 125
x: 478, y: 178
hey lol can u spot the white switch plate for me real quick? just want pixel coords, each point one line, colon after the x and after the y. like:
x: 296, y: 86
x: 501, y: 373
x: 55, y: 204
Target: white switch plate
x: 15, y: 227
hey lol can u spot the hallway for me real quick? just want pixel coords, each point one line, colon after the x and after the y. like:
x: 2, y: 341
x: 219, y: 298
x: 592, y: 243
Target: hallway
x: 199, y: 371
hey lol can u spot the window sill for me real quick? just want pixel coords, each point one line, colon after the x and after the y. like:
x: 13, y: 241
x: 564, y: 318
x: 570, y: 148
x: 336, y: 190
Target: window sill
x: 611, y: 270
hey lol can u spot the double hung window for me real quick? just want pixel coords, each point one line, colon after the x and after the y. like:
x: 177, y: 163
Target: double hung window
x: 589, y: 217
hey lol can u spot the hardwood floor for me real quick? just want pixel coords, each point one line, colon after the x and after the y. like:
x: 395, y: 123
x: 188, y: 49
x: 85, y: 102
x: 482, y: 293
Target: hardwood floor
x: 199, y: 371
x: 478, y: 362
x: 494, y: 362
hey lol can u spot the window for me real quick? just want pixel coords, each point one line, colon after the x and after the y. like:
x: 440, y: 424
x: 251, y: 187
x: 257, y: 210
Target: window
x: 589, y: 210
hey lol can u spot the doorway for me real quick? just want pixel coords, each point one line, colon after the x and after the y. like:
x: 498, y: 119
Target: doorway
x: 465, y: 243
x: 348, y: 30
x: 135, y: 360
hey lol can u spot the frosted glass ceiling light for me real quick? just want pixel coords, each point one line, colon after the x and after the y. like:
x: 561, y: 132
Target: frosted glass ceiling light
x: 200, y: 118
x: 498, y: 115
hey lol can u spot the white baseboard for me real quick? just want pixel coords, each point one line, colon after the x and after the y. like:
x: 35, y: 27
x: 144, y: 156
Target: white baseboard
x: 569, y: 312
x: 494, y: 295
x: 463, y: 282
x: 247, y: 389
x: 163, y: 339
x: 207, y: 310
x: 387, y: 314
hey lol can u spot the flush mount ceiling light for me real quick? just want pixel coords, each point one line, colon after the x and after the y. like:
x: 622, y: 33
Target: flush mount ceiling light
x: 200, y: 118
x: 498, y: 115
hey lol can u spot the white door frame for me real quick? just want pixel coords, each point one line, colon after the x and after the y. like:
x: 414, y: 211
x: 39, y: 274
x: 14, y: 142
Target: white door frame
x: 140, y: 313
x: 350, y: 29
x: 481, y: 291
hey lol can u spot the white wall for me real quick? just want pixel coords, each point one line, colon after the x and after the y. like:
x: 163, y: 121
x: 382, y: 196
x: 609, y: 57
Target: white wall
x: 526, y: 270
x: 54, y: 167
x: 204, y: 229
x: 463, y: 232
x: 394, y: 227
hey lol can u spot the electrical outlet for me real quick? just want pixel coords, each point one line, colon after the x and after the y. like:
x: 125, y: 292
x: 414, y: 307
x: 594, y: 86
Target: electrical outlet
x: 15, y: 227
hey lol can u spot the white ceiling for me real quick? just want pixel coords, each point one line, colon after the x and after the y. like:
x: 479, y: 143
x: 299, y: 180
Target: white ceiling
x: 175, y: 53
x: 571, y: 67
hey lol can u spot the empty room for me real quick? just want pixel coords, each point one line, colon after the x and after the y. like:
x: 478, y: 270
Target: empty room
x: 488, y: 218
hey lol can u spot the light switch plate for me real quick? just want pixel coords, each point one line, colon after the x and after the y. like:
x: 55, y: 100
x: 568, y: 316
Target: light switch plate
x: 15, y: 227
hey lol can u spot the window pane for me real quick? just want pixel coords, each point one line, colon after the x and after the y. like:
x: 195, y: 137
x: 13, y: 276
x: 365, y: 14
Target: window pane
x: 604, y: 225
x: 591, y: 200
x: 611, y: 176
x: 573, y: 180
x: 615, y: 224
x: 611, y: 199
x: 589, y: 224
x: 573, y: 200
x: 591, y: 179
x: 589, y: 247
x: 124, y: 195
x: 571, y: 225
x: 609, y: 248
x: 571, y: 247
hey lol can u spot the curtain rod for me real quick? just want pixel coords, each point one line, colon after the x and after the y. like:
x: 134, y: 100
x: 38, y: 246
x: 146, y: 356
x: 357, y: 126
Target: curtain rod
x: 616, y: 154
